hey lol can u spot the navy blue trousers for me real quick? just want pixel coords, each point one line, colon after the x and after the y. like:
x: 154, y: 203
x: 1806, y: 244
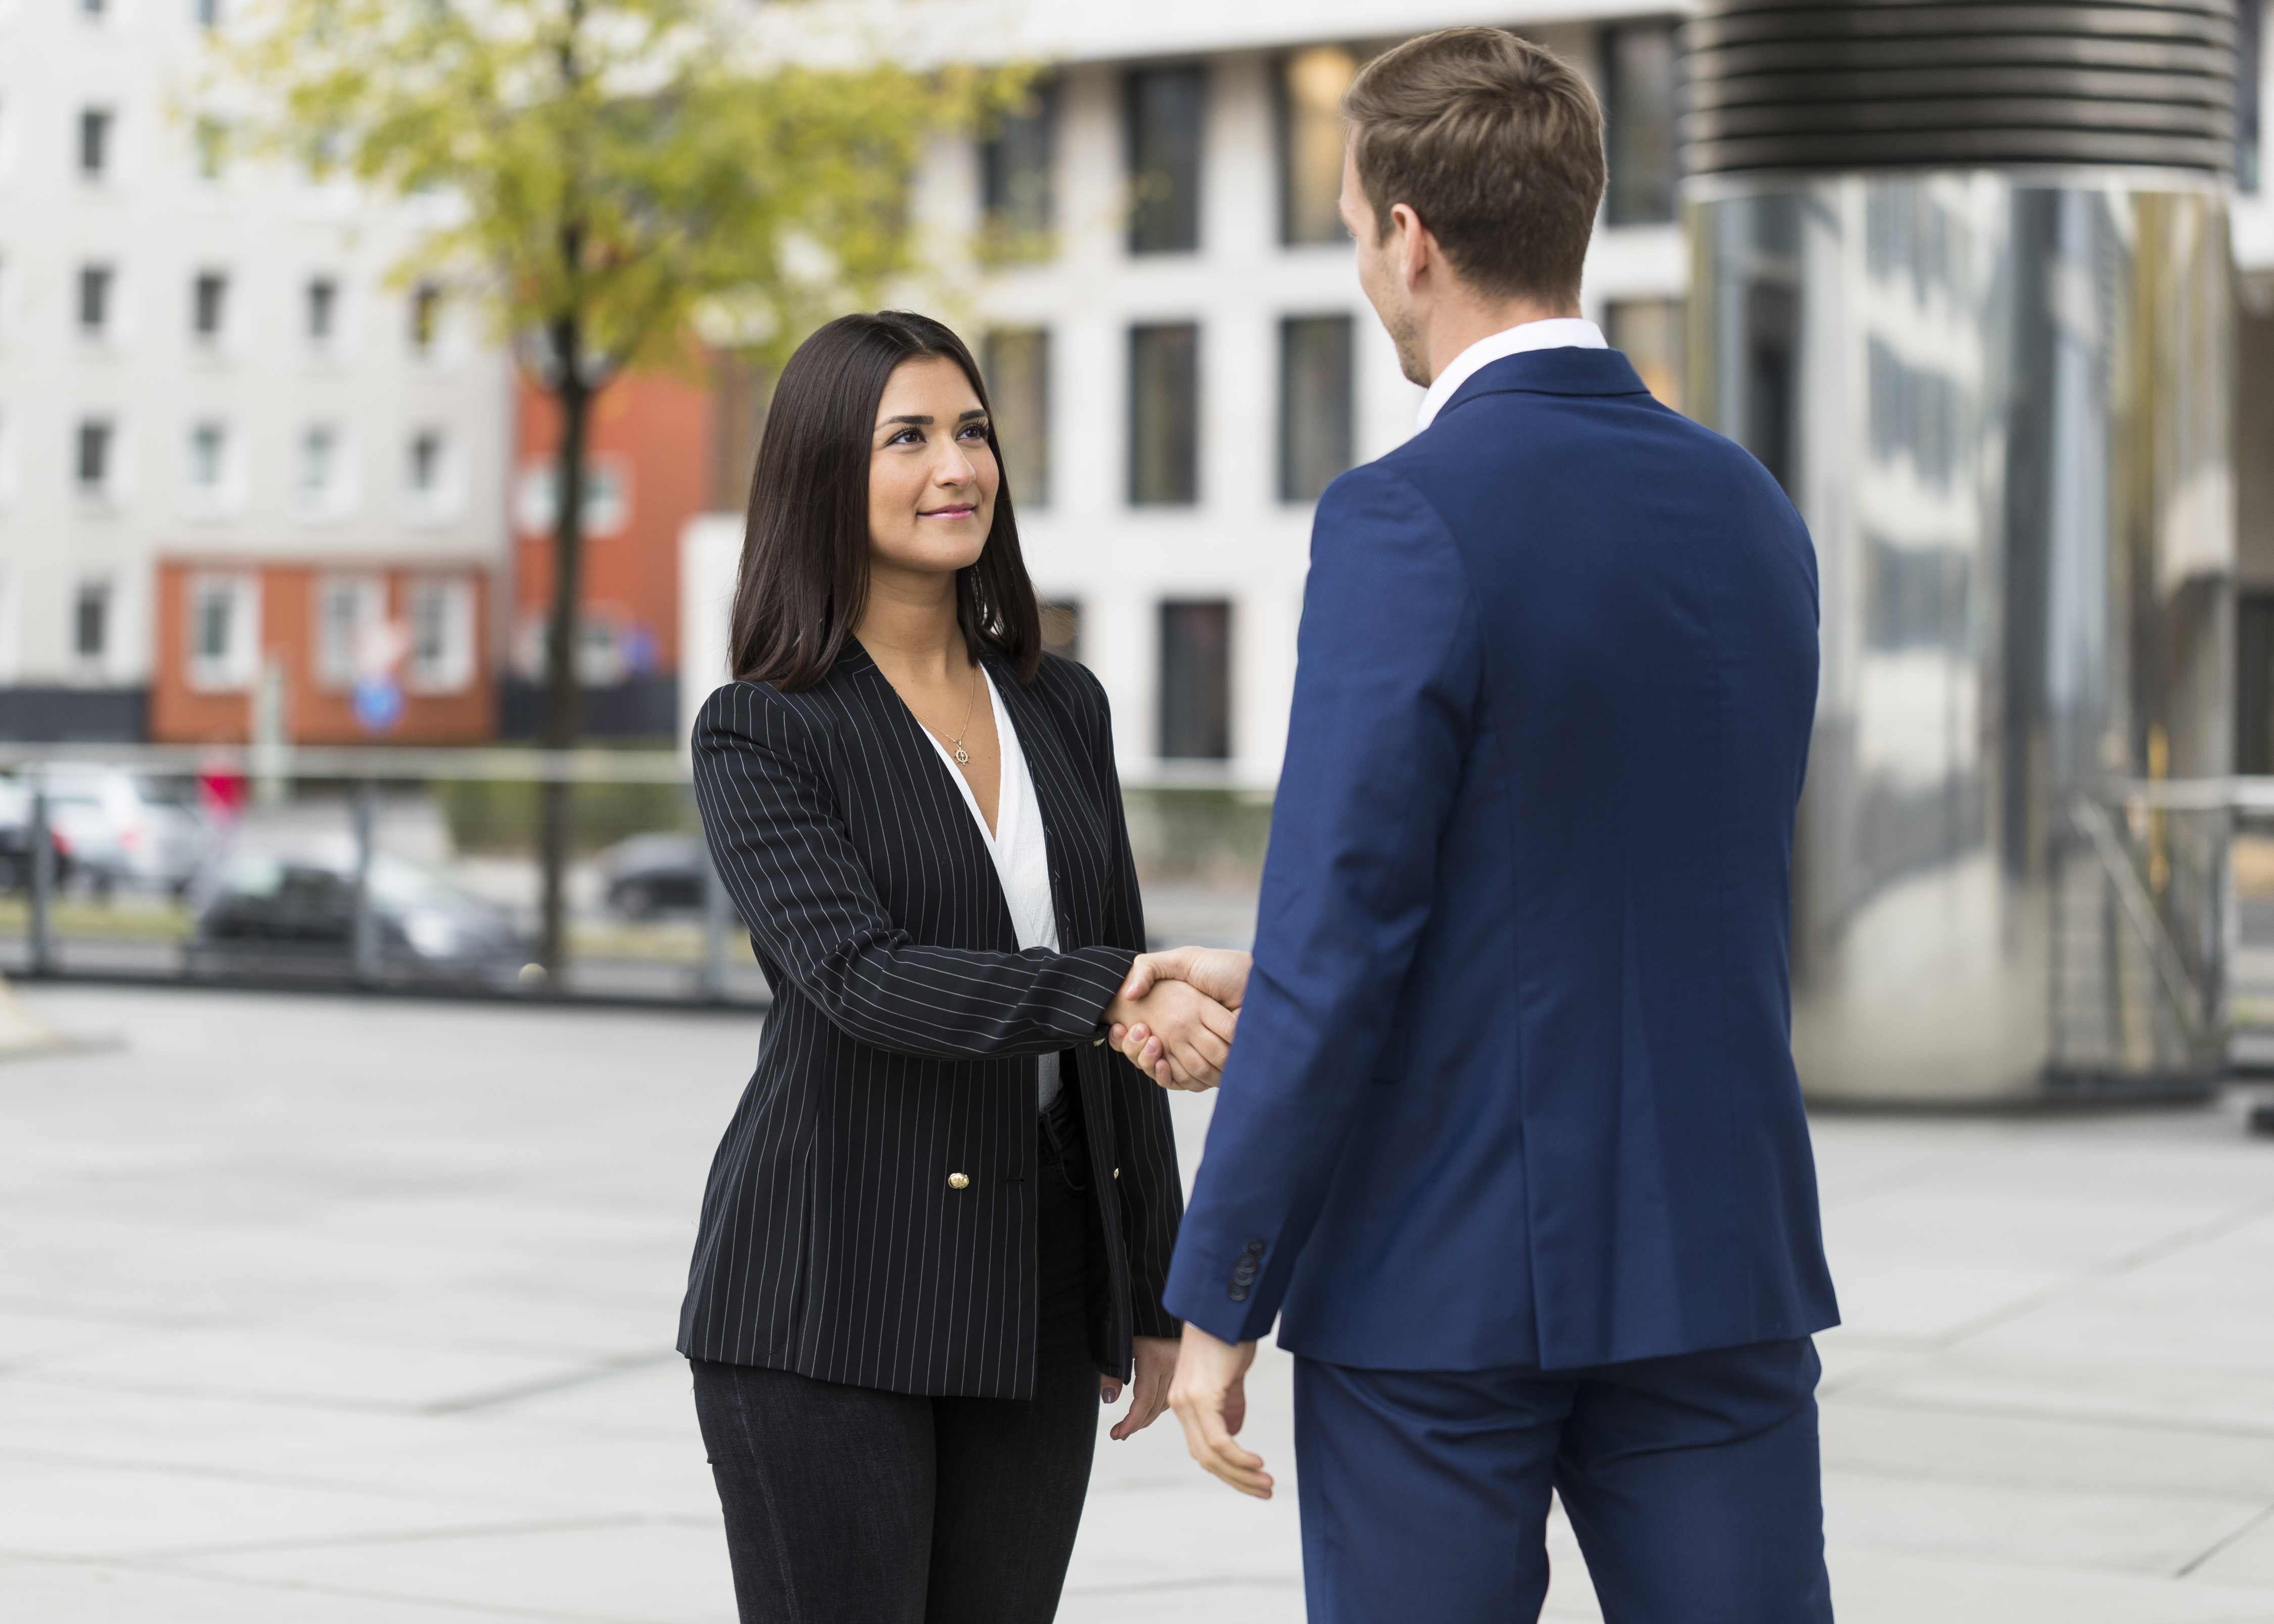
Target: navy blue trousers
x: 1694, y: 1483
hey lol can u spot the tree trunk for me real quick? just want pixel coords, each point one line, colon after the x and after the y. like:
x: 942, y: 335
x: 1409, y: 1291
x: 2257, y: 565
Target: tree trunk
x: 564, y: 697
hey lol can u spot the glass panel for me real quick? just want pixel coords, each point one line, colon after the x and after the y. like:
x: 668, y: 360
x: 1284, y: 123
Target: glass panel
x: 1017, y: 362
x: 1649, y: 331
x: 1062, y: 628
x: 1638, y: 123
x: 1314, y: 404
x: 1196, y: 680
x: 1165, y: 108
x: 1311, y: 85
x: 1164, y: 414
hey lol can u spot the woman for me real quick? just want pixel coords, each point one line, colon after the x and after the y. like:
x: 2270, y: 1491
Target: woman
x: 938, y: 1230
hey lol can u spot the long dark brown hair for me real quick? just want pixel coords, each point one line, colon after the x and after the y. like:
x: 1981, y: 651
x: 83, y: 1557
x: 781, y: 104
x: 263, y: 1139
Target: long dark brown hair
x: 804, y: 576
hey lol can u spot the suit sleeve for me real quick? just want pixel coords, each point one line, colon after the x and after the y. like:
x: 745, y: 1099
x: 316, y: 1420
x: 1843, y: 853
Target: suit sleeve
x: 1386, y: 693
x: 792, y: 870
x: 1151, y: 1188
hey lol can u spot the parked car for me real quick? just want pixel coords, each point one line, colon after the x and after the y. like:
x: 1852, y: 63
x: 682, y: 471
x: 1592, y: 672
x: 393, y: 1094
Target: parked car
x: 16, y: 839
x: 654, y: 874
x: 289, y: 913
x: 120, y: 828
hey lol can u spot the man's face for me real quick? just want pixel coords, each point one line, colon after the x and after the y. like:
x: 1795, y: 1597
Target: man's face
x: 1378, y: 273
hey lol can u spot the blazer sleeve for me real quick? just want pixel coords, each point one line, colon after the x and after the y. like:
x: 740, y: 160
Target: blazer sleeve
x: 790, y: 867
x: 1387, y: 685
x: 1151, y: 1187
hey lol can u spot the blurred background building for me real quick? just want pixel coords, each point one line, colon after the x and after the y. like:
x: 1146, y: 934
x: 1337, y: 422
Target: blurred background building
x: 228, y: 443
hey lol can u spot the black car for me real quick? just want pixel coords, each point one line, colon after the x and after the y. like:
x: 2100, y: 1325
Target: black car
x: 266, y: 914
x: 651, y: 875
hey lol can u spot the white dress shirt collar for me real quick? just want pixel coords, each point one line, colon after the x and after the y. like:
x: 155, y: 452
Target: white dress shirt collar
x: 1556, y: 332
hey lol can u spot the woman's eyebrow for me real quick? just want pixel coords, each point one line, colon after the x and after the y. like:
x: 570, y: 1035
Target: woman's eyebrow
x: 926, y: 422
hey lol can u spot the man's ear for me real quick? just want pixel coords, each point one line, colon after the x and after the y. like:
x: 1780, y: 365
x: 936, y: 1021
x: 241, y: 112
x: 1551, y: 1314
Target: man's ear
x: 1417, y: 249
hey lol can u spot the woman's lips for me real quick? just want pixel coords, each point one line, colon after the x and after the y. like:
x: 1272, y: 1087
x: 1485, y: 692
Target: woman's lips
x: 964, y: 512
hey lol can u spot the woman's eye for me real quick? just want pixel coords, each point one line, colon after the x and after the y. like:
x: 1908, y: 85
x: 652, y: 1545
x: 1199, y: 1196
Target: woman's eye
x: 905, y: 437
x: 974, y: 430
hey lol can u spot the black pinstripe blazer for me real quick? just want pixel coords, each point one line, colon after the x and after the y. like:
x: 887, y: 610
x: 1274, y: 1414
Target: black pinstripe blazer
x: 899, y: 1049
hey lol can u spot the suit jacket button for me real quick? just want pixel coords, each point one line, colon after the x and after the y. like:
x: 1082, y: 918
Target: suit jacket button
x: 957, y: 1181
x: 1237, y: 1294
x: 1117, y: 1172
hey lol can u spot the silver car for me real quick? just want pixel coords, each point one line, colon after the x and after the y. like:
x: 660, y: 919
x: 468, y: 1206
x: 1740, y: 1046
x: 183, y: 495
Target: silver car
x: 120, y: 828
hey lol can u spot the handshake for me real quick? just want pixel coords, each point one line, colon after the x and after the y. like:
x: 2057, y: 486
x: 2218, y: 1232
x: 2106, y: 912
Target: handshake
x: 1175, y: 1015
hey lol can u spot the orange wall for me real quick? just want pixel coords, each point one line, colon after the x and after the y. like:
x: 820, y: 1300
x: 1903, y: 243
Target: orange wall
x: 658, y: 427
x: 313, y: 713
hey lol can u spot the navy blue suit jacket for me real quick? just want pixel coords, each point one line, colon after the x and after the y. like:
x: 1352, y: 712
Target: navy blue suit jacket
x: 1514, y: 1082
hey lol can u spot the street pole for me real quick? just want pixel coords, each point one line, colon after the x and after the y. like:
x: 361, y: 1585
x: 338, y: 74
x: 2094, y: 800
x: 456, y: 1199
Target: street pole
x: 365, y: 945
x: 43, y: 878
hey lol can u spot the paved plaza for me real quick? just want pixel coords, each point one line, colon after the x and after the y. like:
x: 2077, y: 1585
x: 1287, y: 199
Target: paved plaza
x: 319, y: 1310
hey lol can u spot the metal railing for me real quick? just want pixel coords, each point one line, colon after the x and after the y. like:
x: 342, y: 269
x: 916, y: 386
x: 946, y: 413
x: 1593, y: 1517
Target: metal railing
x: 714, y: 966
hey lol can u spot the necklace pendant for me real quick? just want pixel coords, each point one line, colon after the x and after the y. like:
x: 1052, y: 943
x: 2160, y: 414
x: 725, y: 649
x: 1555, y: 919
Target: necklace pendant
x: 962, y: 756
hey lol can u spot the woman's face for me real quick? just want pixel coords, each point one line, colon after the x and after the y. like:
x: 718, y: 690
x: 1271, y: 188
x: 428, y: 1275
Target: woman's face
x: 932, y: 478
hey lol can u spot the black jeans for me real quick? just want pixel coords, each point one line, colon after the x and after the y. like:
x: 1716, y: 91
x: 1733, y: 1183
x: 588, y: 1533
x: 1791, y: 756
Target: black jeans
x: 852, y: 1506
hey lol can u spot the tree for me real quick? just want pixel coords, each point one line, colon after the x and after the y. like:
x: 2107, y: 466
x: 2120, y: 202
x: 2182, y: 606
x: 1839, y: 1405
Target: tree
x: 608, y: 171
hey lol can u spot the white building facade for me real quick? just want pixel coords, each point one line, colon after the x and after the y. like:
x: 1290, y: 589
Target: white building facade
x: 203, y: 363
x: 1180, y: 355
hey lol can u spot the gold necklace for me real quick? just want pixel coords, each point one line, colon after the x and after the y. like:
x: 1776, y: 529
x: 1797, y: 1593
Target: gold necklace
x: 962, y: 756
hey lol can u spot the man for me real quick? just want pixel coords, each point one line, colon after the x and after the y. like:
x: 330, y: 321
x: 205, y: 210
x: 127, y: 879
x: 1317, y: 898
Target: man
x: 1511, y: 1140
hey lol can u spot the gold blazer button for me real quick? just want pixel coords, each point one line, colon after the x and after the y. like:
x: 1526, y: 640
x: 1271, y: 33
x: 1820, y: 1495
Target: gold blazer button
x: 957, y: 1181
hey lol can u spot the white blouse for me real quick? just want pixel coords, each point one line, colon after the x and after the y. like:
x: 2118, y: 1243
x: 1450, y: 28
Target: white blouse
x: 1022, y: 858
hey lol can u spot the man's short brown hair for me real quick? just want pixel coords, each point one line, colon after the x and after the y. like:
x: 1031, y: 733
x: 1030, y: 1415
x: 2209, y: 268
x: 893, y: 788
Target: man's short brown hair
x: 1496, y: 143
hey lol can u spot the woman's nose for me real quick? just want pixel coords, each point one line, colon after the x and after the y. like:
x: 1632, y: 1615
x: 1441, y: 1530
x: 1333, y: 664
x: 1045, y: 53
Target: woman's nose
x: 954, y: 468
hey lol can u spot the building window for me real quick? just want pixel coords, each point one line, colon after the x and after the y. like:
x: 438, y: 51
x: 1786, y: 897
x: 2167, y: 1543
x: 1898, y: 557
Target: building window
x: 93, y: 10
x: 2249, y: 73
x: 426, y: 471
x: 350, y: 616
x: 1638, y: 123
x: 1164, y: 415
x: 441, y: 655
x: 1165, y: 108
x: 96, y: 126
x: 1062, y: 628
x: 1315, y: 404
x: 91, y: 621
x: 1311, y: 135
x: 208, y: 456
x: 322, y: 309
x: 96, y: 283
x: 224, y: 632
x: 207, y: 14
x: 1015, y: 176
x: 209, y: 148
x: 1196, y: 680
x: 97, y: 447
x: 323, y: 483
x: 1650, y: 332
x: 425, y: 317
x: 1017, y: 363
x: 208, y: 304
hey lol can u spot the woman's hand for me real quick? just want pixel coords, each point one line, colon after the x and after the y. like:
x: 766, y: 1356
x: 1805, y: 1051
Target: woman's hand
x: 1156, y: 1364
x: 1219, y: 973
x: 1190, y: 1034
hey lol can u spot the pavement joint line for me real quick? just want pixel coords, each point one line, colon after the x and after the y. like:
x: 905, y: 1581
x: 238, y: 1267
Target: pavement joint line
x: 400, y: 1536
x: 270, y: 1479
x: 2125, y: 1420
x: 2218, y: 1546
x: 2154, y: 1251
x: 624, y: 1366
x: 171, y: 1570
x: 2258, y: 1507
x: 342, y: 1403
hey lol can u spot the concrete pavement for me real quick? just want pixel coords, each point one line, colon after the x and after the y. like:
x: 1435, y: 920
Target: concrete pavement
x: 333, y: 1312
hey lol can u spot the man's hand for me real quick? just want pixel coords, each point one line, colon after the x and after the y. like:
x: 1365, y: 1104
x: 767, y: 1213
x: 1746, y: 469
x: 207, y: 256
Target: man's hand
x: 1156, y: 1364
x: 1190, y: 1032
x: 1211, y: 1397
x: 1220, y: 973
